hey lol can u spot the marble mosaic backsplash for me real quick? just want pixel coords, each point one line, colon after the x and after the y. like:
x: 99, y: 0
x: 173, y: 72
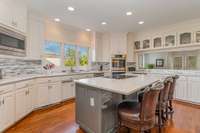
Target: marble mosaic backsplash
x: 14, y: 67
x: 96, y: 65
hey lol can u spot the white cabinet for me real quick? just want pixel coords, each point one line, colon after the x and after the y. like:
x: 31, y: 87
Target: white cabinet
x: 43, y: 93
x: 7, y: 110
x: 13, y: 14
x: 1, y: 114
x: 181, y: 88
x: 193, y: 89
x: 54, y: 92
x: 68, y: 89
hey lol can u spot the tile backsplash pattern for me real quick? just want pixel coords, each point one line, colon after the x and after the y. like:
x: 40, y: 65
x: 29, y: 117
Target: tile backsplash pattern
x: 96, y: 65
x: 14, y: 67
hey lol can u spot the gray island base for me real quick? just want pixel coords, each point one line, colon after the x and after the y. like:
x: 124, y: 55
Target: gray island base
x: 96, y: 109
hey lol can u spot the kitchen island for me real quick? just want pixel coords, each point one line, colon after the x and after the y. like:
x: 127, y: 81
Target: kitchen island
x: 97, y: 99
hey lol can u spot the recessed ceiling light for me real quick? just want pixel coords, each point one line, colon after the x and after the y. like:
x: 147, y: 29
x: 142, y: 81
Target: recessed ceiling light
x: 141, y: 22
x: 70, y: 8
x: 129, y: 13
x: 103, y: 23
x: 88, y: 29
x: 56, y: 19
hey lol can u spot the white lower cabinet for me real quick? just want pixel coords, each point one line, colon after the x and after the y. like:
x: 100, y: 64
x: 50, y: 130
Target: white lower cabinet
x: 68, y: 90
x: 54, y: 90
x: 42, y: 94
x: 194, y: 89
x: 181, y: 89
x: 23, y: 102
x: 7, y: 110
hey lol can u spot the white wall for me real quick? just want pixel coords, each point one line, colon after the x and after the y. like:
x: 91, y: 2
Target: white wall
x: 190, y: 25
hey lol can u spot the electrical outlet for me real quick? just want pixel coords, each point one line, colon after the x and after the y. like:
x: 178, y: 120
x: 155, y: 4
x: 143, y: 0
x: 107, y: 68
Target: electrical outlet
x: 92, y: 104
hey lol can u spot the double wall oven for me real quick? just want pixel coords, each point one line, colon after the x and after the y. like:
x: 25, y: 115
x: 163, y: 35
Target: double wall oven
x: 119, y: 64
x: 12, y: 43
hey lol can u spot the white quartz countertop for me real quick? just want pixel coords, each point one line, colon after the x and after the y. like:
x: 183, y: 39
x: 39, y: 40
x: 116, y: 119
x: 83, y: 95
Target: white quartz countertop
x: 121, y: 86
x: 33, y: 76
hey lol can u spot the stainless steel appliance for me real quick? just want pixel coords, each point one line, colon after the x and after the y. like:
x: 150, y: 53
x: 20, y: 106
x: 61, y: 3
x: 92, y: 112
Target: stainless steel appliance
x: 119, y: 64
x: 12, y: 43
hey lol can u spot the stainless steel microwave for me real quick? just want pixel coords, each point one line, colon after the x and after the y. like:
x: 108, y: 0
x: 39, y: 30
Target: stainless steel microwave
x: 12, y: 43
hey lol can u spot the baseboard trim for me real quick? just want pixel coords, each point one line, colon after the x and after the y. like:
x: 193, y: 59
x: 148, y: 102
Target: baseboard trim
x: 194, y: 105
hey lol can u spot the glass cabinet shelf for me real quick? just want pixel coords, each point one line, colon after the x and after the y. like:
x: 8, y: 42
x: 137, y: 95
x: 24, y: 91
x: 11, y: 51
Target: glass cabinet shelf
x: 170, y: 40
x: 185, y: 38
x: 137, y: 45
x: 146, y: 44
x: 157, y: 42
x: 197, y: 36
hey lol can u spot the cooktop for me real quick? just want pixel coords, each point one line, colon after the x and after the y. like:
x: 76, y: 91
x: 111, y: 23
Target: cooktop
x: 120, y: 76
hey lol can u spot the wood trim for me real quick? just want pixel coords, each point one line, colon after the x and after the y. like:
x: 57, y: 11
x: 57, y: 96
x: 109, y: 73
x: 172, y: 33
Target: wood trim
x: 187, y: 104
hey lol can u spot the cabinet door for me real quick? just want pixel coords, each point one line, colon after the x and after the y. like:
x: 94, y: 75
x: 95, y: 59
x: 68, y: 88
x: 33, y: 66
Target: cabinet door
x: 54, y: 93
x: 67, y: 90
x: 193, y: 89
x: 5, y: 12
x: 181, y: 89
x: 21, y: 108
x: 1, y: 113
x: 33, y: 96
x: 8, y: 109
x: 43, y: 91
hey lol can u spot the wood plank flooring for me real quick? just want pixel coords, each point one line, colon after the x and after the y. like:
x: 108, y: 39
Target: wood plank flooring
x: 61, y: 119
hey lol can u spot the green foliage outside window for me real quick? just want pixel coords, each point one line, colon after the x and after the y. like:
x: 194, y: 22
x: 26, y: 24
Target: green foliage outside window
x: 70, y: 57
x: 83, y: 56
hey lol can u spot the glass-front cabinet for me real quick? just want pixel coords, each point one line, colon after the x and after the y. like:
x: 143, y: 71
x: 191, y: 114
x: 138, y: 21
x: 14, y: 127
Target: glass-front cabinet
x: 146, y: 44
x: 185, y: 38
x: 170, y: 40
x: 197, y: 36
x: 157, y: 42
x: 137, y: 45
x: 178, y: 62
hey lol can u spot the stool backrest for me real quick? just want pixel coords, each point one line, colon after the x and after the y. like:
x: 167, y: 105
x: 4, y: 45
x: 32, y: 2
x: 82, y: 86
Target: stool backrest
x: 164, y: 93
x: 149, y: 102
x: 172, y: 88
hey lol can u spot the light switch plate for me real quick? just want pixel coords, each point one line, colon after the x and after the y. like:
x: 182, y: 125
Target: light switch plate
x: 92, y: 102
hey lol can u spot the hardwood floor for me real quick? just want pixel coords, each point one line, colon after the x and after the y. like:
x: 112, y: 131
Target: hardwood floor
x: 61, y: 119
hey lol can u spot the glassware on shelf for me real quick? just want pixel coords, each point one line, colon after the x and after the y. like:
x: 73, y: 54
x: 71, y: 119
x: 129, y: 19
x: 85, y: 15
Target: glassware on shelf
x: 197, y: 35
x: 146, y: 44
x: 170, y: 40
x: 185, y: 38
x: 157, y: 42
x: 137, y: 45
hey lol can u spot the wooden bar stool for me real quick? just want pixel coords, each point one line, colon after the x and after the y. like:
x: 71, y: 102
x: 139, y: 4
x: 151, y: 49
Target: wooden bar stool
x: 162, y: 106
x: 171, y: 96
x: 140, y: 116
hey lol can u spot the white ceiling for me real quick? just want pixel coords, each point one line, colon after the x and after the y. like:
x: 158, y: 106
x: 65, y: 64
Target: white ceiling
x: 90, y: 13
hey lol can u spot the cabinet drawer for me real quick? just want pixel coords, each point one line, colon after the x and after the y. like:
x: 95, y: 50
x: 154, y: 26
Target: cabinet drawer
x: 48, y: 80
x: 6, y: 88
x: 22, y: 84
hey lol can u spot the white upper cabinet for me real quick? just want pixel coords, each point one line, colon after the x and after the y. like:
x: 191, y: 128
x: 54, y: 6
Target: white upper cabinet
x: 13, y: 14
x: 170, y: 40
x: 157, y: 42
x: 197, y: 36
x: 185, y: 38
x: 146, y: 43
